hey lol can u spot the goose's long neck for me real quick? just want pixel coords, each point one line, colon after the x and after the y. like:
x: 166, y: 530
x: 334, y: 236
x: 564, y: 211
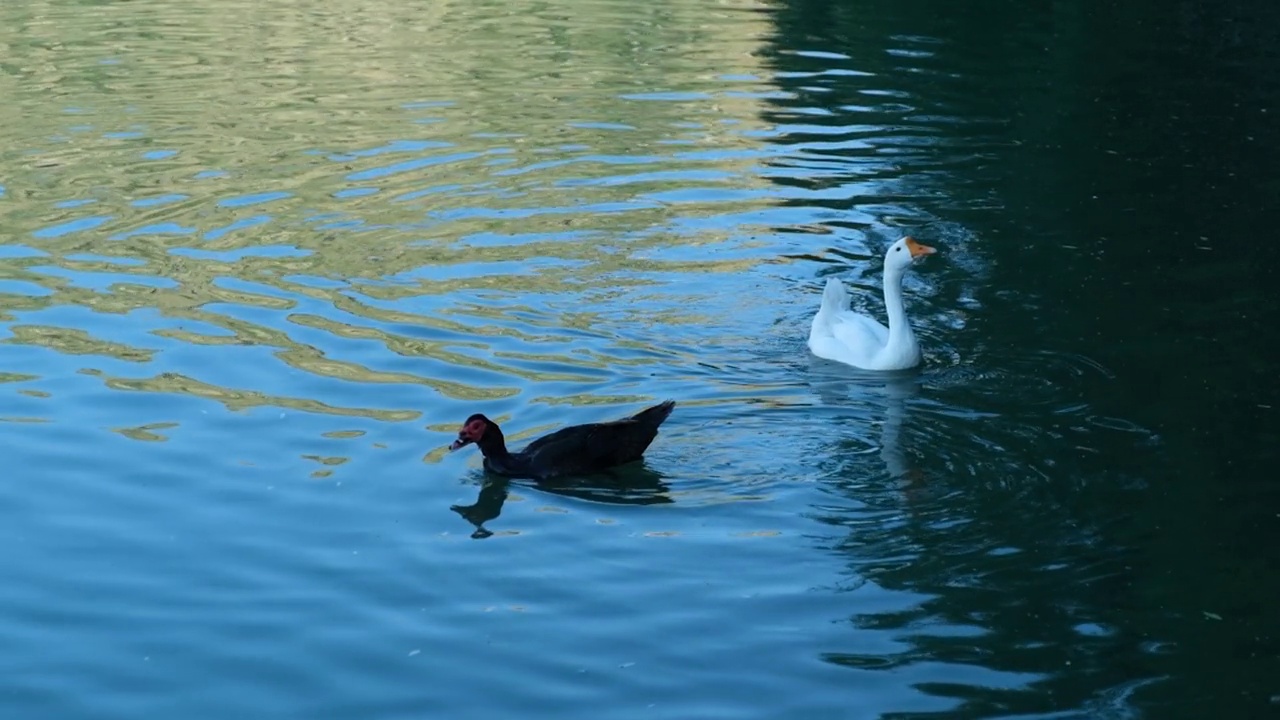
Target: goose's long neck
x: 900, y: 335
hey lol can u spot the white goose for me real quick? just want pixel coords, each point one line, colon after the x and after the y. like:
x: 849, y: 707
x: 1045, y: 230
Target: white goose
x: 858, y: 340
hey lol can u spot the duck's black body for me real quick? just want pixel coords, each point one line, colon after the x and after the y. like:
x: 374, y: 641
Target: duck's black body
x: 575, y: 450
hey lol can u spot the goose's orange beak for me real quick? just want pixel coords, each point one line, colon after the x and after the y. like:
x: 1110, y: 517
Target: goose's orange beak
x: 918, y: 250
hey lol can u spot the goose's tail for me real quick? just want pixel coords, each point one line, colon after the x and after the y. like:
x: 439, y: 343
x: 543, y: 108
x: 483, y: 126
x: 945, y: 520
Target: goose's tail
x: 835, y: 298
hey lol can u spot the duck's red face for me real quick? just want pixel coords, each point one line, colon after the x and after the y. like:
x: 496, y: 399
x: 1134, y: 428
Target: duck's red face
x: 472, y: 430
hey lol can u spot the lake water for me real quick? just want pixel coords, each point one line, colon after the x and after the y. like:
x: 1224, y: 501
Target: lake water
x: 258, y: 261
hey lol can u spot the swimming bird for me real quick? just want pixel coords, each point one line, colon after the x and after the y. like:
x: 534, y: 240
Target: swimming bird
x: 575, y: 450
x: 855, y: 339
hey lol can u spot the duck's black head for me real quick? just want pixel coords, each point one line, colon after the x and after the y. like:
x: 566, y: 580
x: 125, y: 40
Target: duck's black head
x: 477, y: 429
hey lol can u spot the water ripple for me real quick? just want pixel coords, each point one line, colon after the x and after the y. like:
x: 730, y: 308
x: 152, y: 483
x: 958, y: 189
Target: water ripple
x: 261, y: 260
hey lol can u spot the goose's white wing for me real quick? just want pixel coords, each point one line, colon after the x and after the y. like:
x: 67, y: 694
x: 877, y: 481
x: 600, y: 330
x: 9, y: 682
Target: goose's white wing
x: 848, y: 338
x: 857, y: 330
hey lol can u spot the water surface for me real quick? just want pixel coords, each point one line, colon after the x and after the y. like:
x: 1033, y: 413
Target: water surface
x: 258, y: 262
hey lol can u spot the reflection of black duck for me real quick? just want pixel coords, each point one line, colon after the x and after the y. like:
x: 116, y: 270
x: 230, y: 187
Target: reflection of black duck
x: 575, y: 450
x: 632, y: 487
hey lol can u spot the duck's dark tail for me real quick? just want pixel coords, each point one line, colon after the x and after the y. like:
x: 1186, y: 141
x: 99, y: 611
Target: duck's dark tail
x: 656, y: 415
x: 625, y: 440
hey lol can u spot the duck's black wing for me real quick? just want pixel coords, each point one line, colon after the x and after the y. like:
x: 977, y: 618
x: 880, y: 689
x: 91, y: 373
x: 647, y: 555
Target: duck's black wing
x: 596, y: 446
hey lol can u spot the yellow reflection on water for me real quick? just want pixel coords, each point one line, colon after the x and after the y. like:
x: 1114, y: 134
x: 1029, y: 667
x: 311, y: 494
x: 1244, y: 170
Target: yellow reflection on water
x: 258, y: 173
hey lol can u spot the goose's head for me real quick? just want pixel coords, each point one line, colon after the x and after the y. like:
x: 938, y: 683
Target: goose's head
x: 904, y: 252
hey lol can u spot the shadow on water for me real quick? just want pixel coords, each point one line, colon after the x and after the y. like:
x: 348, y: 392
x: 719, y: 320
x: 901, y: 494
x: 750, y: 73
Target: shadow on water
x: 634, y: 484
x: 974, y: 568
x: 1092, y: 438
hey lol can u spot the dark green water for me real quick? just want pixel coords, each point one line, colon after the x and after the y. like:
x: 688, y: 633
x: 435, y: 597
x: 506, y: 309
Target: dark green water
x: 1114, y: 167
x: 257, y: 263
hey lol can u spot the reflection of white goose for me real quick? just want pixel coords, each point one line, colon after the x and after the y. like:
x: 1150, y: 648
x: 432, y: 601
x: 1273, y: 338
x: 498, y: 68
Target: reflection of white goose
x: 897, y: 392
x: 893, y: 392
x: 840, y: 334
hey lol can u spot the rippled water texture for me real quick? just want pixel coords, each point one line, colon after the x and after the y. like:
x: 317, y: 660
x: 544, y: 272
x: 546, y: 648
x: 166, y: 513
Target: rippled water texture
x: 259, y: 260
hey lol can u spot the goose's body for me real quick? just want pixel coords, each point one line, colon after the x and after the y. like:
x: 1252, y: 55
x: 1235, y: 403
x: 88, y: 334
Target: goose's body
x: 842, y: 335
x: 574, y: 450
